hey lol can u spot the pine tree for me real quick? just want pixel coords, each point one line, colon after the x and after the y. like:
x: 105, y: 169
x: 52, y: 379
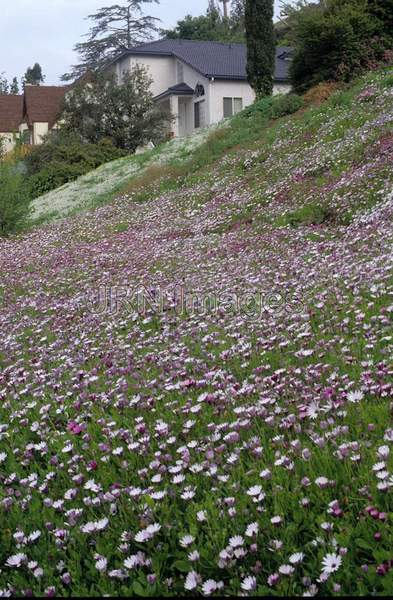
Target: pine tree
x: 260, y: 45
x: 4, y: 86
x: 33, y: 75
x: 114, y: 28
x: 14, y: 87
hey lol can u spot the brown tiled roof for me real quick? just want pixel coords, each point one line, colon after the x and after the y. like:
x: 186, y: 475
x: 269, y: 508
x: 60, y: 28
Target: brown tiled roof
x: 11, y: 112
x: 43, y: 103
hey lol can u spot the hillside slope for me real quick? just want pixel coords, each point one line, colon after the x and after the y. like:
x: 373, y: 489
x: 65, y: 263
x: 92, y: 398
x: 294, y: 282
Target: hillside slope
x: 196, y: 389
x: 100, y: 184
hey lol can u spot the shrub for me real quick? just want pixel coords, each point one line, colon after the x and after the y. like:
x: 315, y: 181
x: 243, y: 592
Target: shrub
x: 286, y: 105
x: 14, y: 201
x: 335, y: 40
x: 63, y: 158
x: 321, y: 92
x: 274, y: 107
x: 388, y: 82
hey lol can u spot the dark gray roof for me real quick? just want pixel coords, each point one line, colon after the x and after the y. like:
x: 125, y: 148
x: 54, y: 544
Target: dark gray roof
x: 180, y: 89
x: 211, y: 59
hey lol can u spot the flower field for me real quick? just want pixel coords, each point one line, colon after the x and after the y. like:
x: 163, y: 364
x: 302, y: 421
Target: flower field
x: 232, y: 435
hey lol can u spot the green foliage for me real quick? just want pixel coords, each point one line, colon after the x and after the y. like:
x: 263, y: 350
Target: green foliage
x: 4, y: 85
x: 211, y: 26
x: 14, y: 87
x: 286, y: 105
x: 33, y: 75
x: 335, y: 40
x: 388, y: 82
x: 383, y: 11
x: 126, y: 114
x: 310, y: 214
x: 14, y: 201
x: 275, y: 107
x: 260, y: 45
x: 63, y: 158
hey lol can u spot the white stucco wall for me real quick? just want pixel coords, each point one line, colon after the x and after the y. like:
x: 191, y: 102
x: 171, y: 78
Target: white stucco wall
x: 39, y: 130
x: 7, y: 141
x: 227, y: 89
x: 161, y: 70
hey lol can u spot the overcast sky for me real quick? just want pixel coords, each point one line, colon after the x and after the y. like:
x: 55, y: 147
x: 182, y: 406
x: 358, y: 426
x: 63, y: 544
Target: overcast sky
x: 45, y: 31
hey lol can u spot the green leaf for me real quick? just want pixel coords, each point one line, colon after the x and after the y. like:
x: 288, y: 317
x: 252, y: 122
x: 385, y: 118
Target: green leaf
x: 181, y: 565
x: 139, y: 589
x: 363, y: 544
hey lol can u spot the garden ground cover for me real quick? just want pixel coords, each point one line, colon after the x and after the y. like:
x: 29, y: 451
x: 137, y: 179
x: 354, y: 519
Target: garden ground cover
x: 237, y: 439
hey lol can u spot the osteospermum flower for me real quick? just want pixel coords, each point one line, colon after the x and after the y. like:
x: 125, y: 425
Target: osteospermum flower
x: 286, y: 570
x: 355, y: 396
x: 255, y: 490
x: 236, y: 541
x: 95, y: 526
x: 192, y: 581
x: 186, y: 540
x: 252, y: 529
x: 101, y: 564
x: 249, y: 583
x: 210, y: 586
x: 194, y: 556
x: 296, y: 558
x: 331, y: 563
x: 16, y: 560
x: 147, y: 534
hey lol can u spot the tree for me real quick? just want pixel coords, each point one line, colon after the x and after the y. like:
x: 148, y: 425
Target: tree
x: 33, y: 75
x: 237, y: 15
x: 336, y: 39
x: 260, y: 45
x: 210, y: 26
x: 383, y: 11
x: 114, y: 28
x: 125, y: 114
x: 4, y: 85
x: 14, y: 87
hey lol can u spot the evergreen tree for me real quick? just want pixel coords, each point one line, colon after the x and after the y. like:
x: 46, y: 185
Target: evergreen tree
x: 114, y: 28
x: 4, y: 86
x: 383, y: 10
x: 14, y: 87
x: 33, y: 75
x: 260, y: 45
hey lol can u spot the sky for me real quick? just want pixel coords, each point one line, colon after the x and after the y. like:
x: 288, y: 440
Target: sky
x: 45, y: 31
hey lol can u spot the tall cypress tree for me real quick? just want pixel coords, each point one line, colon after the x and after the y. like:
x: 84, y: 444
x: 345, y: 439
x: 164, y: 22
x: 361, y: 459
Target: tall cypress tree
x: 260, y: 45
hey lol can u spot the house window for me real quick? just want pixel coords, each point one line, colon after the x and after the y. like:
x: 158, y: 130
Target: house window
x: 199, y: 90
x: 199, y: 115
x: 232, y: 106
x: 180, y: 72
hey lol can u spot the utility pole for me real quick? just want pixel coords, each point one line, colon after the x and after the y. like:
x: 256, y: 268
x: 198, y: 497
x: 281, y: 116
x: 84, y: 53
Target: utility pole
x: 225, y: 8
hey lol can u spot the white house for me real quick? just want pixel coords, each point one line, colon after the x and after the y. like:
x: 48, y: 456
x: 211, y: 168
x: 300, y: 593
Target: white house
x: 200, y: 82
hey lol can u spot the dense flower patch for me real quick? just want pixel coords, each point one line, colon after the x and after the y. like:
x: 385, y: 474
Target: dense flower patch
x: 237, y: 447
